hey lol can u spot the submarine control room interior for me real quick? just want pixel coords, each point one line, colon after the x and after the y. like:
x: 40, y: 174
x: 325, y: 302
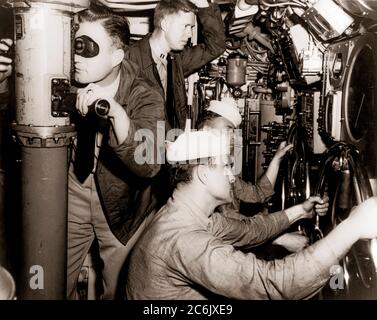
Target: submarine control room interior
x: 295, y: 81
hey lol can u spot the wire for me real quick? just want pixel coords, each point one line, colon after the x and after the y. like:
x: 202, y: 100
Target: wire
x: 230, y: 44
x: 251, y: 54
x: 254, y: 49
x: 260, y: 70
x: 129, y: 6
x: 282, y: 4
x: 300, y: 3
x: 255, y: 52
x: 371, y: 27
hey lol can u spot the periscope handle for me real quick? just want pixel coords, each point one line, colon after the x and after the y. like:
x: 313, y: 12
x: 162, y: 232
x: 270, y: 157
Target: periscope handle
x: 101, y: 107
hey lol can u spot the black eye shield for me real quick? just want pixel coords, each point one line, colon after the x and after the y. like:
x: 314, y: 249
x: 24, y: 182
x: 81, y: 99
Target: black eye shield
x: 86, y: 47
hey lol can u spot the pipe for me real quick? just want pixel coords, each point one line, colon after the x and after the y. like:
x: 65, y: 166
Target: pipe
x: 253, y: 32
x: 44, y: 223
x: 3, y: 242
x: 345, y: 196
x: 43, y: 69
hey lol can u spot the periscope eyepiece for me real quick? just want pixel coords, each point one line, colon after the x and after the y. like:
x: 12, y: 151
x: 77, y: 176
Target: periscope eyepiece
x: 86, y: 47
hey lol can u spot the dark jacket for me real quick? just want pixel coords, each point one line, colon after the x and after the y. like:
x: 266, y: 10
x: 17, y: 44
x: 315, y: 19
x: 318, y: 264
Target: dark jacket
x: 124, y: 186
x: 186, y: 62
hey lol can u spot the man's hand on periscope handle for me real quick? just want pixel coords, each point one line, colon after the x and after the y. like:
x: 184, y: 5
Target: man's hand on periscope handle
x: 88, y: 95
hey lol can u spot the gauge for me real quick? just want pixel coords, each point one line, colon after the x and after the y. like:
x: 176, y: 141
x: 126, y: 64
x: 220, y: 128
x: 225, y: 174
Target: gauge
x: 360, y: 105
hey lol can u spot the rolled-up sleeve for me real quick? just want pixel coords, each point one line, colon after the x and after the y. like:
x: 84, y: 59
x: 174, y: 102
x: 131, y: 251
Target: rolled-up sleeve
x: 245, y: 232
x: 250, y: 193
x: 220, y: 268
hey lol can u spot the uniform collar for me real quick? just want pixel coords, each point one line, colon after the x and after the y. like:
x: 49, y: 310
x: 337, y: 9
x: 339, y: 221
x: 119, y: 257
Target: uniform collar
x: 157, y: 53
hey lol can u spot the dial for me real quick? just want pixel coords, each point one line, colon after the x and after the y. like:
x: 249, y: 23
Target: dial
x: 360, y: 106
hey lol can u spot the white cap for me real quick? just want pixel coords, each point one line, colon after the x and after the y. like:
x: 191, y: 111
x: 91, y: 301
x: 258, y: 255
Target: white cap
x: 196, y: 145
x: 226, y: 108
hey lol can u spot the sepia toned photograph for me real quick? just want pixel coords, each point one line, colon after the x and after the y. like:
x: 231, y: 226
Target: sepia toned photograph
x: 188, y: 150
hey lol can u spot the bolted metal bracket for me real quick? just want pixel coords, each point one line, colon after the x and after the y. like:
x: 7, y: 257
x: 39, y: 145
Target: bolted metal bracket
x: 43, y: 137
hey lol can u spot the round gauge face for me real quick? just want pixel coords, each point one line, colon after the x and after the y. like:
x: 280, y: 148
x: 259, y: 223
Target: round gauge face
x: 360, y: 106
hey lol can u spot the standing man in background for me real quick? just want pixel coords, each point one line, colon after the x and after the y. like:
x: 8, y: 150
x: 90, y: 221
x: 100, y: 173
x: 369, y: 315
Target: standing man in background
x: 166, y: 60
x: 173, y: 23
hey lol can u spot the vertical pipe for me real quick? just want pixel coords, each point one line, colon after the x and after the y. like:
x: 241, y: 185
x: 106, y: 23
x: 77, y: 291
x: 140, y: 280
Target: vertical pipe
x: 44, y: 223
x: 43, y: 34
x: 3, y: 244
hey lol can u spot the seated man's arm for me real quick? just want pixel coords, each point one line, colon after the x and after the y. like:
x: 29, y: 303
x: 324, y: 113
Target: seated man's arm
x: 264, y: 188
x: 273, y: 168
x: 258, y: 193
x: 246, y: 232
x: 292, y: 241
x: 210, y: 263
x: 241, y: 231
